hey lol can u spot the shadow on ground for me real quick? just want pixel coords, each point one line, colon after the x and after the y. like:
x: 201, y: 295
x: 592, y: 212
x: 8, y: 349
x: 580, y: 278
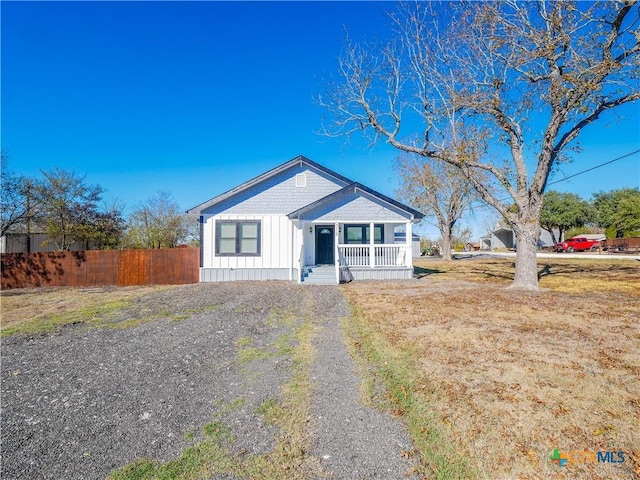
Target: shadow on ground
x: 421, y: 272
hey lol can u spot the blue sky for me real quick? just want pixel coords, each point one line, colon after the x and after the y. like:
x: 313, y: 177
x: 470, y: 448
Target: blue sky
x: 197, y: 97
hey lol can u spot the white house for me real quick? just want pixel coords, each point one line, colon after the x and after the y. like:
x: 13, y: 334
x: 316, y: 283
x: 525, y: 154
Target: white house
x: 303, y: 222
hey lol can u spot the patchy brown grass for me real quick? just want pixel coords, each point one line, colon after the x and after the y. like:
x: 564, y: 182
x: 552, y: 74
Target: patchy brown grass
x: 514, y: 375
x: 28, y: 306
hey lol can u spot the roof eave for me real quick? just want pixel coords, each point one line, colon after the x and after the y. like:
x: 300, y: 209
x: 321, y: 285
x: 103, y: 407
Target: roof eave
x: 416, y: 216
x: 300, y: 159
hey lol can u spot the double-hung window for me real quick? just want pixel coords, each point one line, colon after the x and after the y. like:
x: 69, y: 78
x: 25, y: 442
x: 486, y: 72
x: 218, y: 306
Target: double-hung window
x: 238, y: 238
x: 359, y: 234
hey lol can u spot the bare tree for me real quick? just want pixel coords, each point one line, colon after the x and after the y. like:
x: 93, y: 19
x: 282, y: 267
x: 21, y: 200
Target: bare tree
x: 20, y: 202
x: 438, y: 189
x: 157, y: 223
x: 501, y: 90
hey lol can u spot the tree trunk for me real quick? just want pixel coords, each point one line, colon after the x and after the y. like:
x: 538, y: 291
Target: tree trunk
x: 446, y: 246
x: 527, y: 234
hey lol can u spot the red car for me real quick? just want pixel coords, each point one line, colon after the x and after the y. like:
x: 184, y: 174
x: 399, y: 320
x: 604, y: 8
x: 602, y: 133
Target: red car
x: 577, y: 244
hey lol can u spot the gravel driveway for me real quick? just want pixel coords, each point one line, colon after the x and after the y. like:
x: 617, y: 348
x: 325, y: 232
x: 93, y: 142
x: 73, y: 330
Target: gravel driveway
x: 80, y: 403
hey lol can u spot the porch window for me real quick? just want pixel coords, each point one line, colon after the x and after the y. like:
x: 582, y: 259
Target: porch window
x: 359, y: 234
x: 238, y: 238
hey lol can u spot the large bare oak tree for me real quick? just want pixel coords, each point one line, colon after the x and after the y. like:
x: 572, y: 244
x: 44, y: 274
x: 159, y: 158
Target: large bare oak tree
x: 501, y: 90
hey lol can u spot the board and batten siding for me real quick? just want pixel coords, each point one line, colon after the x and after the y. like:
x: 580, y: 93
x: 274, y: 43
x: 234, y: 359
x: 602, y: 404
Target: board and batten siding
x: 378, y: 273
x: 268, y: 201
x: 276, y: 237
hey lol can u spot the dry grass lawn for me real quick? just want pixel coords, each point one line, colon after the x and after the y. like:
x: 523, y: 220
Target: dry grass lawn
x: 23, y: 306
x: 514, y: 375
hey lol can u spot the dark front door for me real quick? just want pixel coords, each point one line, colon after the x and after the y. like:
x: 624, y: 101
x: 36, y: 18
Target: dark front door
x: 324, y: 244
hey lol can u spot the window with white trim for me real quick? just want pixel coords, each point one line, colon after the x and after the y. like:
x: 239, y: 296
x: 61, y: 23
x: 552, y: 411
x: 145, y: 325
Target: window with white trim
x: 238, y: 238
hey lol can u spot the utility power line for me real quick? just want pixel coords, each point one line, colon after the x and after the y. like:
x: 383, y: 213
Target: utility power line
x: 566, y: 178
x: 593, y: 168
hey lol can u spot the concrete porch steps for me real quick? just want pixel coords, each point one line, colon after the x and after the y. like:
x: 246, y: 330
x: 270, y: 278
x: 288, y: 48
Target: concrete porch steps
x: 319, y: 275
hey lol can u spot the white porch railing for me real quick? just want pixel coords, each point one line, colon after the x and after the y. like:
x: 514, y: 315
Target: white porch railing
x: 394, y: 255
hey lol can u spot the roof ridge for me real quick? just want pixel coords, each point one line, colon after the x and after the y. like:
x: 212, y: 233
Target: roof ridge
x: 268, y: 174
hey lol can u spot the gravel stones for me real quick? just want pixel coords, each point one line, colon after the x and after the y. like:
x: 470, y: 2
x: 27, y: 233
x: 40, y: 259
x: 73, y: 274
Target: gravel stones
x: 353, y: 441
x: 80, y: 403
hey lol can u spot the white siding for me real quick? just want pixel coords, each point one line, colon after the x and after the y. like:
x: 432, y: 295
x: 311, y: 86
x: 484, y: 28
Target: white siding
x: 382, y: 273
x: 389, y: 234
x: 309, y: 240
x: 275, y: 243
x: 243, y: 274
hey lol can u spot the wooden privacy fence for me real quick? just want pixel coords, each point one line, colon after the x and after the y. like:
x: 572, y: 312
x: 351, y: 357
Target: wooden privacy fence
x: 174, y: 266
x: 626, y: 245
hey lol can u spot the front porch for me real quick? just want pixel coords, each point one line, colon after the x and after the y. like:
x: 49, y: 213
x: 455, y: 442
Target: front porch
x: 377, y: 262
x: 353, y: 231
x: 325, y: 258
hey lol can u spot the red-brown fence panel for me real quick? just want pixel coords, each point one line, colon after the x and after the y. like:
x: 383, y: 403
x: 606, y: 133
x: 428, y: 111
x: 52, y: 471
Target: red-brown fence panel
x: 100, y: 267
x: 628, y: 245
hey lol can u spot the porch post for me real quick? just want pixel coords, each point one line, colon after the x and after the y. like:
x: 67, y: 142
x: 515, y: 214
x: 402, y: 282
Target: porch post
x: 299, y: 237
x: 292, y: 249
x: 336, y: 250
x: 409, y: 239
x: 372, y: 251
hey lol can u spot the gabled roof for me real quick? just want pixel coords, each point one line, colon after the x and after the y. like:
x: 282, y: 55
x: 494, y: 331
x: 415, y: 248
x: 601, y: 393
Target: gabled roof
x: 299, y: 160
x: 353, y: 187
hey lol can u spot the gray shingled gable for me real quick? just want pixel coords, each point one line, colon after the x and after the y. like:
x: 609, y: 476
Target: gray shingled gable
x: 353, y: 187
x: 297, y: 161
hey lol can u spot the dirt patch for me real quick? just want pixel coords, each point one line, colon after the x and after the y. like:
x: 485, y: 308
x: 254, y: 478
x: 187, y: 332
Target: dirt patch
x: 516, y: 375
